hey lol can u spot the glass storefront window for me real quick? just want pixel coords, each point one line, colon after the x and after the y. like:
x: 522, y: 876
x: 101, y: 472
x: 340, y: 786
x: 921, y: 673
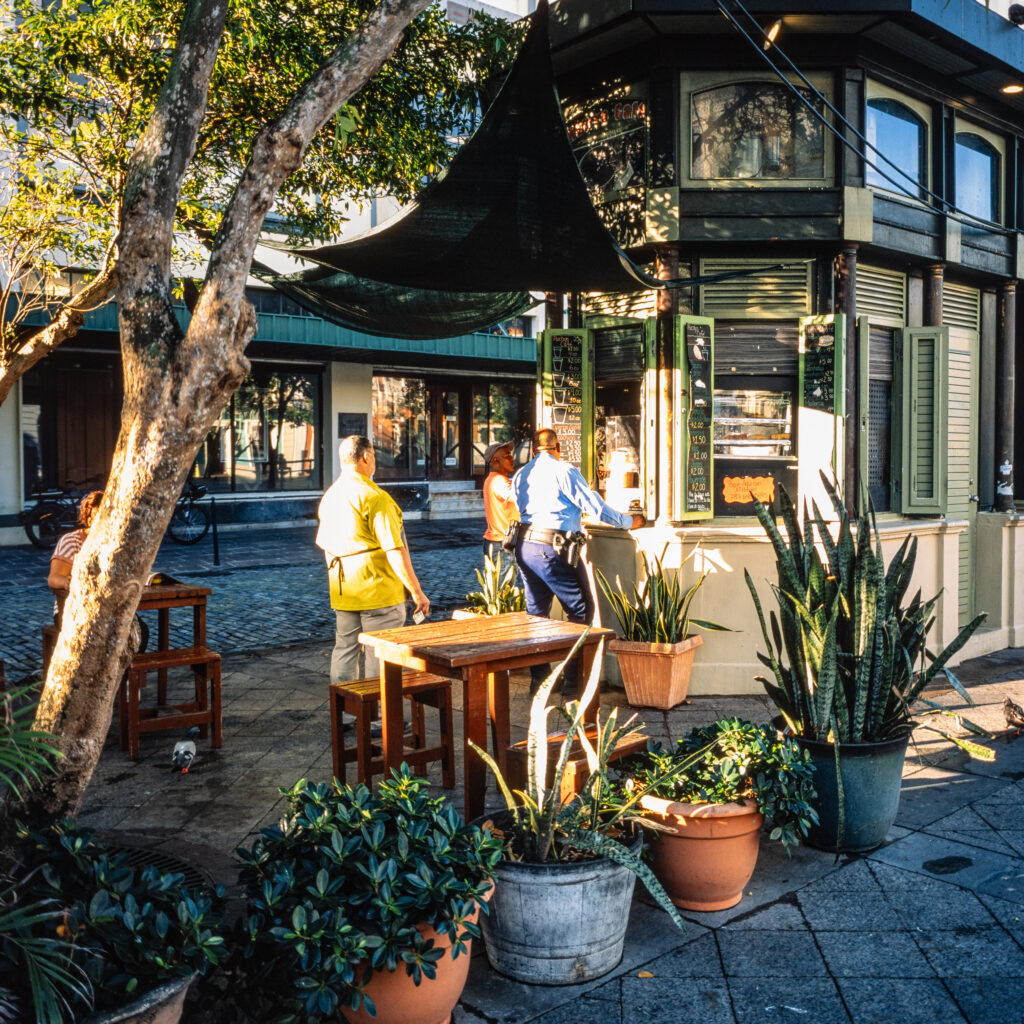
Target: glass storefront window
x: 897, y: 132
x: 400, y: 438
x: 617, y: 442
x: 500, y: 413
x: 753, y: 423
x: 755, y: 130
x: 266, y: 438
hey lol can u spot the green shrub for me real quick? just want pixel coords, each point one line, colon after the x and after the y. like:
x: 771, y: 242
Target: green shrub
x: 498, y: 591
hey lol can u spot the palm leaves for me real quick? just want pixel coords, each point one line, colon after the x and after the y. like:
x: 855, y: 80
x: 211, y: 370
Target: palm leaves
x: 657, y: 612
x: 25, y: 753
x: 847, y: 651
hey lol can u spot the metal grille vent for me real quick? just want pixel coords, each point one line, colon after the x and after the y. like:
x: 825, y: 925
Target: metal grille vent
x: 140, y: 857
x: 778, y: 293
x: 961, y: 306
x: 879, y: 399
x: 882, y: 295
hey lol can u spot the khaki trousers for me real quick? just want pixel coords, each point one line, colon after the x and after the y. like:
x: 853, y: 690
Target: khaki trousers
x: 350, y: 660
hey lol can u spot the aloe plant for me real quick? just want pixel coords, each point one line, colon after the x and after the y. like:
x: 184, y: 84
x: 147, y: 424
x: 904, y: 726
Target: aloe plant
x: 543, y: 828
x: 658, y: 611
x: 847, y: 650
x: 498, y: 591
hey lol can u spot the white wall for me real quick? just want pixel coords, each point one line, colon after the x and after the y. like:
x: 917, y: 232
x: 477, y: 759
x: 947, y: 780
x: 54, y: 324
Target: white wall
x: 10, y: 465
x: 348, y: 391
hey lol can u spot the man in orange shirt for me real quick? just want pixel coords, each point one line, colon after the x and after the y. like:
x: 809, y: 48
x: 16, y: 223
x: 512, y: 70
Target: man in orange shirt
x: 499, y: 506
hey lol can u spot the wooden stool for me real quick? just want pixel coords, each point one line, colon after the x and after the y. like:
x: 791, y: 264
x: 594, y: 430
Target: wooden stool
x: 203, y: 711
x: 50, y: 634
x: 361, y: 697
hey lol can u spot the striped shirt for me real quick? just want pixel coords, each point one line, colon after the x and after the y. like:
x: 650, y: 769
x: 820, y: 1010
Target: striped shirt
x: 67, y: 547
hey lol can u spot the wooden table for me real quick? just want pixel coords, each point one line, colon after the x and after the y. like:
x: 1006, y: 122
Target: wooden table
x: 162, y: 597
x: 480, y: 651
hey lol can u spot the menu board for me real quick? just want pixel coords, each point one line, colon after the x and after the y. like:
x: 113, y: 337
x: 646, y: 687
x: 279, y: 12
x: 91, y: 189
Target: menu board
x: 698, y: 420
x: 819, y: 367
x: 567, y: 394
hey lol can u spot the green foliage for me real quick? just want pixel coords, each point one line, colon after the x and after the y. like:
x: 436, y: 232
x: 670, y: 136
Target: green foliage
x: 847, y: 649
x: 658, y: 612
x: 91, y: 931
x: 26, y: 754
x: 78, y: 84
x: 498, y: 591
x: 599, y: 818
x: 734, y: 760
x: 339, y: 887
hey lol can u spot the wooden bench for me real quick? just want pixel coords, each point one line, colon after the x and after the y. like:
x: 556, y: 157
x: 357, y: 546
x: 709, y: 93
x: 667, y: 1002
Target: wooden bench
x: 577, y: 770
x: 361, y: 697
x: 204, y: 710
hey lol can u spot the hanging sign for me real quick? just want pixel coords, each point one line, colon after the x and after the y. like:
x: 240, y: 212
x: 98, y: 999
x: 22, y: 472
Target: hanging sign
x: 819, y: 367
x: 698, y: 419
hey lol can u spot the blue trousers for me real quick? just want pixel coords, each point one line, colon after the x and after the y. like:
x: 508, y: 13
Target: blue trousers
x: 545, y: 577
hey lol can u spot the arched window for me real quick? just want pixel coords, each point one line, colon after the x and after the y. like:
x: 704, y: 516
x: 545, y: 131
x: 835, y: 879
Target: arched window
x: 755, y: 130
x: 898, y: 148
x: 978, y: 175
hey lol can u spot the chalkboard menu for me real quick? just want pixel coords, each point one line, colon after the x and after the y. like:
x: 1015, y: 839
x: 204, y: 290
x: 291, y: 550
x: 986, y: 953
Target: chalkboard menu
x: 698, y: 420
x: 819, y: 367
x: 567, y: 394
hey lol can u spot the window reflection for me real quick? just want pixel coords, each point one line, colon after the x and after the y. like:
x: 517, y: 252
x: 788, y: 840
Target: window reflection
x: 755, y: 130
x: 977, y: 176
x: 400, y: 439
x: 898, y: 147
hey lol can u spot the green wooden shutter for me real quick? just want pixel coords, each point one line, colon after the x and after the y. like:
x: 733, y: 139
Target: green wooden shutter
x: 653, y: 503
x: 566, y: 358
x: 863, y: 408
x: 920, y: 396
x: 693, y: 422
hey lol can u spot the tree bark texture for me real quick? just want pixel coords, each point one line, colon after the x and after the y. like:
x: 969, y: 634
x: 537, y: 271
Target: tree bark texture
x: 176, y: 384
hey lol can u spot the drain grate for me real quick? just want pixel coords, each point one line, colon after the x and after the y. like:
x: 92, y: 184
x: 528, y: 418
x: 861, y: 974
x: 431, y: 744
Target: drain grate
x: 140, y: 857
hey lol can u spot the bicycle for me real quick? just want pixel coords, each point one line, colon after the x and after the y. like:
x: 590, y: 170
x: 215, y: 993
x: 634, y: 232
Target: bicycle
x: 54, y: 513
x: 190, y: 522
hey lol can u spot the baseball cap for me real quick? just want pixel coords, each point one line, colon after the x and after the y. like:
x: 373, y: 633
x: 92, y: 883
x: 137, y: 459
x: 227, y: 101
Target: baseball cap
x: 493, y: 449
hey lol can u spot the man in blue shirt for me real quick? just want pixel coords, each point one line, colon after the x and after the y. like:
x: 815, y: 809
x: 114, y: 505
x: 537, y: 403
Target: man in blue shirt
x: 552, y: 497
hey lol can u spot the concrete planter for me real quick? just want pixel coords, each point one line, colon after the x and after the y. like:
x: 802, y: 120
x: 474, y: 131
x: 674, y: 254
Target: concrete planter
x: 656, y: 675
x: 162, y: 1005
x: 558, y: 923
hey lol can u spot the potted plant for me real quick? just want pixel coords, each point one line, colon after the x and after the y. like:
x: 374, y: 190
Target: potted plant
x: 361, y: 903
x: 848, y: 655
x: 565, y: 882
x: 499, y: 592
x: 711, y: 793
x: 656, y: 649
x: 82, y: 929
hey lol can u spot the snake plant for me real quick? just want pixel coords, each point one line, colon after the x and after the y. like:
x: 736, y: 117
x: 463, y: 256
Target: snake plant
x: 658, y: 611
x: 498, y: 591
x: 846, y: 648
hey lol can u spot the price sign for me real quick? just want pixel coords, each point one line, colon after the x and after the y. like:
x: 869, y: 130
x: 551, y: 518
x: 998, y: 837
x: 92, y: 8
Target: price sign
x: 819, y: 358
x: 567, y: 395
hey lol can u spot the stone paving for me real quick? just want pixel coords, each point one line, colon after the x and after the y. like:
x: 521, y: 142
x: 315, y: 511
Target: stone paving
x: 275, y: 575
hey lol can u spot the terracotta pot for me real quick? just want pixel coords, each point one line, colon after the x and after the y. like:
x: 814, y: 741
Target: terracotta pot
x: 399, y: 1000
x: 705, y: 862
x: 162, y: 1005
x: 656, y: 675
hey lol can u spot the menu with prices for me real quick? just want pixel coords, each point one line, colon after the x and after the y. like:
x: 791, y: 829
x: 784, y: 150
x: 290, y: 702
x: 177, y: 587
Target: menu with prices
x: 567, y: 395
x: 819, y: 364
x: 698, y: 420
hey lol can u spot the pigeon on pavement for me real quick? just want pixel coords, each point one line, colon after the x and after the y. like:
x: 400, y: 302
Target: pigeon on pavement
x: 1014, y: 715
x: 185, y: 751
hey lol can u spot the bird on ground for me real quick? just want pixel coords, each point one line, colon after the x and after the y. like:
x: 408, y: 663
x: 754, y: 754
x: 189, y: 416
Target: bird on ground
x: 1014, y: 715
x: 185, y: 751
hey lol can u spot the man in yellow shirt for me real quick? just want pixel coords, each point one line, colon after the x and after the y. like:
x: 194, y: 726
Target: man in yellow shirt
x: 368, y: 563
x: 499, y: 505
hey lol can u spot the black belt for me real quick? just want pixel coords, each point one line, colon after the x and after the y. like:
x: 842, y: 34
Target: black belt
x: 539, y: 536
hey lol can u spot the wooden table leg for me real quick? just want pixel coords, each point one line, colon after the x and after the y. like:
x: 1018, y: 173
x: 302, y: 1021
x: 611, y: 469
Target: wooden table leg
x: 392, y: 733
x: 586, y: 663
x: 163, y: 632
x: 501, y: 733
x: 474, y: 727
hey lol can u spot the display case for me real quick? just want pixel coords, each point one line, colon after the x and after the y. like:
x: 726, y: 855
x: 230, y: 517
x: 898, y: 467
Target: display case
x: 753, y: 423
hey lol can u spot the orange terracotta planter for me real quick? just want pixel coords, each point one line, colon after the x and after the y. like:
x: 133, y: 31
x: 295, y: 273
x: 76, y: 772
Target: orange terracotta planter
x: 707, y: 858
x: 656, y: 675
x: 399, y: 1000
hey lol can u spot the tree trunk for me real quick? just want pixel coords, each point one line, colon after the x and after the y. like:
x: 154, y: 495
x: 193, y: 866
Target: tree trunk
x: 175, y: 386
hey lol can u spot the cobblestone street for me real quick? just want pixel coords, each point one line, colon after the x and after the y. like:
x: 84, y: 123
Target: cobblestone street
x: 269, y: 590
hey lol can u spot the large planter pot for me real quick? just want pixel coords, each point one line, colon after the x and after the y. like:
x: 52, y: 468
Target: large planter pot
x: 161, y: 1005
x: 399, y: 1000
x: 558, y: 923
x: 707, y: 858
x: 871, y: 775
x: 656, y: 675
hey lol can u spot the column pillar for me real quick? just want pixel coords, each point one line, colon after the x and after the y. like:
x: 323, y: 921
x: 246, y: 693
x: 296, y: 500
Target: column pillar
x: 553, y: 304
x: 847, y: 304
x: 1004, y: 397
x: 933, y: 295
